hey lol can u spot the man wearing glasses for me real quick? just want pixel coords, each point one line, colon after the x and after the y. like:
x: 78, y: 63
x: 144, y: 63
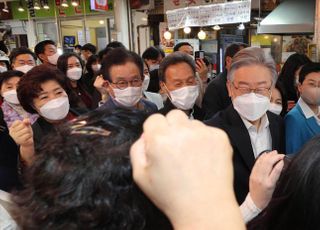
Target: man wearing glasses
x: 252, y: 130
x: 122, y: 71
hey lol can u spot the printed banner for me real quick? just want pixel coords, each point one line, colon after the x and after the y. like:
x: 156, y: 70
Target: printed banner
x: 99, y: 5
x: 209, y: 15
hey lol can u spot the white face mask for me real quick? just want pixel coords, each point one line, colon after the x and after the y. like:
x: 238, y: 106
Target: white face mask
x: 275, y: 108
x: 56, y: 109
x: 146, y: 82
x: 128, y: 97
x: 251, y: 106
x: 11, y: 97
x: 74, y: 73
x: 153, y: 67
x: 185, y: 97
x: 53, y: 59
x: 311, y: 96
x: 96, y: 67
x: 24, y: 68
x: 3, y: 69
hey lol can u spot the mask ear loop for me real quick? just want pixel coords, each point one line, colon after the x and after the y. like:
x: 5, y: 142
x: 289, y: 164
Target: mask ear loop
x: 167, y: 92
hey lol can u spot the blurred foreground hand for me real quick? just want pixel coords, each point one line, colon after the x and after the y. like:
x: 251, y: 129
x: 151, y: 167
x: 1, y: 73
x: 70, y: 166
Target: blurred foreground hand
x: 185, y: 168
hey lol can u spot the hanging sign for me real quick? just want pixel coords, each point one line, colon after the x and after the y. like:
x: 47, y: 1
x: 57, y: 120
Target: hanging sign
x: 99, y: 5
x: 177, y: 4
x: 209, y: 15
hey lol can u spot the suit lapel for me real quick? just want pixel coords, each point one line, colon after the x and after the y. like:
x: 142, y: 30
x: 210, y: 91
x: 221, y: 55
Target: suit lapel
x: 239, y: 136
x: 274, y: 131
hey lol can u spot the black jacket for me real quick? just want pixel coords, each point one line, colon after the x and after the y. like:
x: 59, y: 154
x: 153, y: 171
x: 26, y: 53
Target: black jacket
x: 243, y: 156
x: 8, y: 159
x: 216, y: 97
x: 168, y: 106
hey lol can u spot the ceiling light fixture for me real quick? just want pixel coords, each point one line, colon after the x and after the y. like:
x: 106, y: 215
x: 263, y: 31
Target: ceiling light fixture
x: 46, y: 6
x: 5, y: 9
x: 216, y: 27
x: 187, y: 30
x: 20, y: 8
x: 241, y: 27
x: 64, y: 3
x: 74, y: 3
x: 202, y: 35
x: 167, y: 35
x: 36, y: 6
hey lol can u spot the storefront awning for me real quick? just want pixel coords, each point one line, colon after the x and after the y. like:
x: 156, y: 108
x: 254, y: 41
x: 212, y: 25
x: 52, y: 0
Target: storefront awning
x: 290, y: 17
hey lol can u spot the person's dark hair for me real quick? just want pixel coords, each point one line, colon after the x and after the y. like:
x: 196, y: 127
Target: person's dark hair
x: 295, y: 202
x: 313, y: 67
x: 102, y: 53
x: 92, y: 59
x: 9, y: 74
x: 173, y: 59
x: 234, y: 48
x: 89, y: 47
x: 120, y: 56
x: 178, y: 46
x: 29, y: 86
x: 115, y: 44
x: 279, y: 86
x: 163, y: 54
x: 82, y: 178
x: 151, y: 53
x: 62, y: 63
x: 40, y: 47
x: 19, y: 51
x: 287, y: 74
x: 77, y: 47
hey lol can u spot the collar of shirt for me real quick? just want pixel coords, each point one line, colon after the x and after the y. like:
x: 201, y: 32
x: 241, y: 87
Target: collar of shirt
x: 263, y: 125
x: 5, y: 196
x: 306, y: 109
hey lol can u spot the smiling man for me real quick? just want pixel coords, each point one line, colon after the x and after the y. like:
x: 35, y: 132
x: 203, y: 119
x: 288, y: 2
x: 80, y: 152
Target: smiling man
x: 252, y: 130
x: 122, y: 71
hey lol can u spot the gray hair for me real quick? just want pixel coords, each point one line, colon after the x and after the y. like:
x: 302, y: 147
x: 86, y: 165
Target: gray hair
x: 253, y: 56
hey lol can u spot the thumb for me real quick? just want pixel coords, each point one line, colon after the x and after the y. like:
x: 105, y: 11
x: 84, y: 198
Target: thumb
x: 26, y: 121
x: 138, y: 157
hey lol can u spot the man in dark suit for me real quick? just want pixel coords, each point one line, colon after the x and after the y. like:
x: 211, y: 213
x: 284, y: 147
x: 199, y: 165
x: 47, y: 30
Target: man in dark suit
x: 177, y: 75
x: 216, y: 96
x: 251, y: 129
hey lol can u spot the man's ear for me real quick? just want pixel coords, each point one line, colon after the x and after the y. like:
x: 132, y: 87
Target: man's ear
x: 42, y: 57
x: 228, y: 62
x: 229, y: 87
x: 106, y: 84
x: 299, y: 86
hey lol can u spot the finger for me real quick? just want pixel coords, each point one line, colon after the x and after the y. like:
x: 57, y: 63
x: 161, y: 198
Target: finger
x: 154, y: 124
x: 26, y: 122
x: 268, y: 160
x: 22, y: 132
x: 177, y: 117
x: 276, y: 172
x: 24, y: 138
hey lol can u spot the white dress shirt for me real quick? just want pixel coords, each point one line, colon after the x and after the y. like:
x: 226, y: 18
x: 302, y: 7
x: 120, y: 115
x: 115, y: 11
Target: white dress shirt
x: 307, y: 112
x: 248, y: 209
x: 260, y: 139
x: 6, y: 221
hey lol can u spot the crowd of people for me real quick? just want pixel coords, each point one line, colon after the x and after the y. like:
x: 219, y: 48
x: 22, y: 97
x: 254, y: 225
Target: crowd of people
x: 115, y: 140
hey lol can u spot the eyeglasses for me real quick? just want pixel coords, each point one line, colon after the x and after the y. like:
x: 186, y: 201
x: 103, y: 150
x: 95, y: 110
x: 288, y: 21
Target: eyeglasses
x: 122, y: 84
x: 259, y: 91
